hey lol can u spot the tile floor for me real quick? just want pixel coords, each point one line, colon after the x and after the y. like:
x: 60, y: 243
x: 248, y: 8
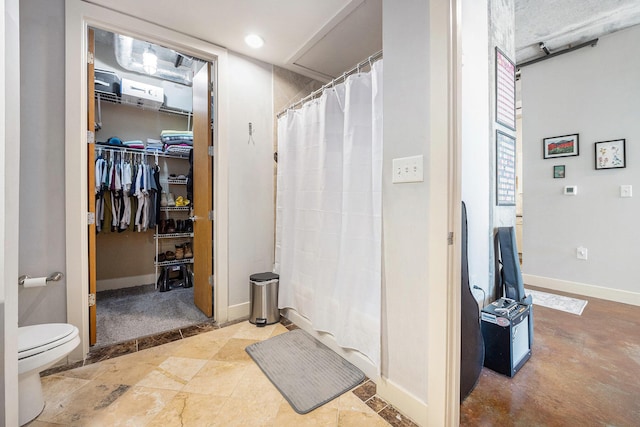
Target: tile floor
x: 206, y: 379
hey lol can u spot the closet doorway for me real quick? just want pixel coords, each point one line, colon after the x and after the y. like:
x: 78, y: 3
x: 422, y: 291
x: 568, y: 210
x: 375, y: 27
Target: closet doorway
x: 150, y: 188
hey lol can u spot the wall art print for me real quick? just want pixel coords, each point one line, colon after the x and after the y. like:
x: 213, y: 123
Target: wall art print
x: 560, y: 146
x: 610, y: 154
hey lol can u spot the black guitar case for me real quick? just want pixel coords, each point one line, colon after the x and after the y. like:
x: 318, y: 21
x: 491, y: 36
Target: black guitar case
x: 471, y: 343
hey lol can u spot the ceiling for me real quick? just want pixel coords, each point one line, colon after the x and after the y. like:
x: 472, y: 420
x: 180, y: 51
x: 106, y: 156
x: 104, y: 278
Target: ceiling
x: 324, y: 38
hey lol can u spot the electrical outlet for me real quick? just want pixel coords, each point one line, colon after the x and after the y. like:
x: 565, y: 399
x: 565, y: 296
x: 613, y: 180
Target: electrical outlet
x: 581, y: 253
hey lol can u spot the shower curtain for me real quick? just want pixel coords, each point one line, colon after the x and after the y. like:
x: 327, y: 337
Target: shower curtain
x: 328, y: 211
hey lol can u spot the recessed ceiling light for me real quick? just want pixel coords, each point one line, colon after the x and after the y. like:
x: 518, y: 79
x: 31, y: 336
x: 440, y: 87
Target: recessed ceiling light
x: 254, y: 41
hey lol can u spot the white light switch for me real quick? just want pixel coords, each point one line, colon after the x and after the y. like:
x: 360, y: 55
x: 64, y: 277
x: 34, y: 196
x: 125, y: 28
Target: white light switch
x: 626, y: 191
x: 408, y: 169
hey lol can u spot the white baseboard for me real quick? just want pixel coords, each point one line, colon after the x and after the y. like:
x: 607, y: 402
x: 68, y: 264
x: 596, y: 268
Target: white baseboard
x: 238, y: 311
x: 358, y: 359
x: 403, y: 401
x: 610, y: 294
x: 124, y: 282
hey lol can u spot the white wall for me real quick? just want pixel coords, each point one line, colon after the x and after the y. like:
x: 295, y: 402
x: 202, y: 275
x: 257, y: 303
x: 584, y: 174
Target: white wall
x: 593, y: 92
x: 9, y: 183
x: 415, y: 303
x: 251, y: 212
x: 476, y: 160
x: 42, y: 225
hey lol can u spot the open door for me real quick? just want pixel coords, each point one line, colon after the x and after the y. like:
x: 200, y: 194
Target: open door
x: 91, y: 185
x: 202, y: 191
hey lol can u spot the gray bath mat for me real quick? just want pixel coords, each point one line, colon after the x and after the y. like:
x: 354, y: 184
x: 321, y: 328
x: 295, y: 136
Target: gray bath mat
x: 305, y: 371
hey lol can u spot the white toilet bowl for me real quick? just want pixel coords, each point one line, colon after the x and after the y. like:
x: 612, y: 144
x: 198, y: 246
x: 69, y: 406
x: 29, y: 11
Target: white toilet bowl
x: 39, y: 348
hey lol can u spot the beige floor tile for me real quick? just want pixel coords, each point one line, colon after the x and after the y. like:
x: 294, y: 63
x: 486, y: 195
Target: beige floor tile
x: 216, y: 378
x: 255, y: 384
x: 234, y: 351
x: 78, y: 407
x: 172, y: 374
x: 279, y: 329
x: 359, y: 419
x: 250, y: 331
x: 136, y: 407
x: 322, y: 417
x: 350, y: 402
x: 203, y: 346
x: 125, y: 371
x: 36, y: 423
x: 246, y: 412
x: 153, y: 355
x: 188, y: 409
x: 87, y: 372
x: 55, y: 390
x: 228, y: 331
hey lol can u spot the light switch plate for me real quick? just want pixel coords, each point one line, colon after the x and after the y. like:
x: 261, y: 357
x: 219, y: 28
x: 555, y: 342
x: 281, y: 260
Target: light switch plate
x: 626, y: 191
x: 571, y: 190
x: 408, y: 169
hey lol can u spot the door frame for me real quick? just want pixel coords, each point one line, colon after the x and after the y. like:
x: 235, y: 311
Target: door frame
x: 79, y: 16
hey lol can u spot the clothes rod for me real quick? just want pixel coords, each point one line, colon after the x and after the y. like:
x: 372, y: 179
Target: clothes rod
x: 591, y: 43
x: 356, y: 69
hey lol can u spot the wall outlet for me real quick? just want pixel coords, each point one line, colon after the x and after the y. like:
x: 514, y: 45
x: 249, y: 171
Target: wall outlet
x: 581, y: 253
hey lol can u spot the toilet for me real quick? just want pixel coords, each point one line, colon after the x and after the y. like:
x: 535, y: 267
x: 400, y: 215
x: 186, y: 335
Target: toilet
x: 39, y: 348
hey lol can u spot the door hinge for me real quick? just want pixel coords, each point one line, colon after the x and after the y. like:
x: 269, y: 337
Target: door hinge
x: 211, y: 152
x: 92, y: 300
x: 91, y: 218
x: 90, y: 57
x: 450, y: 238
x: 212, y: 215
x: 211, y: 87
x: 91, y: 137
x: 211, y: 280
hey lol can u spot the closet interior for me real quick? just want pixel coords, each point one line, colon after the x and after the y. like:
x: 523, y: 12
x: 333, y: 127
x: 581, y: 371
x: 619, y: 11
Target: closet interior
x: 144, y: 181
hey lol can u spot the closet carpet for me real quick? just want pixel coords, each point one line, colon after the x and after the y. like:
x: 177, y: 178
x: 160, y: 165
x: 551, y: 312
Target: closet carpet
x: 129, y: 313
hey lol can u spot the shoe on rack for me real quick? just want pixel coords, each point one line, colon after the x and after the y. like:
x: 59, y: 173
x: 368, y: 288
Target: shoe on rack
x: 179, y: 226
x: 161, y: 257
x: 163, y: 200
x: 179, y: 252
x: 162, y: 227
x: 188, y: 253
x: 171, y: 226
x: 188, y: 226
x: 171, y: 202
x: 170, y: 256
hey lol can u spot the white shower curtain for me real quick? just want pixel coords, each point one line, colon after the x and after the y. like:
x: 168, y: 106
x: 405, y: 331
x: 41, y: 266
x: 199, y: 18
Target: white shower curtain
x: 328, y: 211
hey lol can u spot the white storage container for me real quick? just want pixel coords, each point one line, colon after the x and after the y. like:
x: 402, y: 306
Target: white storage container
x: 142, y: 94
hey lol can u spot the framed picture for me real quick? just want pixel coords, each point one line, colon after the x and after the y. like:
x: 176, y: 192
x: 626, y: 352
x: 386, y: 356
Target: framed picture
x: 560, y: 146
x: 505, y: 90
x: 505, y: 169
x: 610, y: 154
x: 558, y: 171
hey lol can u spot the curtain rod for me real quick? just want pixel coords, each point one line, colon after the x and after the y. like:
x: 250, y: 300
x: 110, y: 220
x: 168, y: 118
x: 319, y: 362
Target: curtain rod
x: 343, y: 77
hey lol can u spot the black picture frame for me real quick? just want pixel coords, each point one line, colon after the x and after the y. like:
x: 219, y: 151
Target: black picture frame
x: 559, y: 171
x: 610, y: 154
x: 561, y: 146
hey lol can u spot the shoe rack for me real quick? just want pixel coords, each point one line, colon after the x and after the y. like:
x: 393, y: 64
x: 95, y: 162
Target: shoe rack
x: 174, y: 235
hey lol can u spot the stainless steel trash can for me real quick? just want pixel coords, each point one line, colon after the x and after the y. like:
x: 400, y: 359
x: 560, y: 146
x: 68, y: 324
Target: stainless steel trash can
x: 264, y: 299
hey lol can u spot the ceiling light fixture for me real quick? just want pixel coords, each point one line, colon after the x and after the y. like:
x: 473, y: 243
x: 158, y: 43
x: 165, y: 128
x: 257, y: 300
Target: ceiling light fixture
x: 150, y: 61
x: 254, y: 41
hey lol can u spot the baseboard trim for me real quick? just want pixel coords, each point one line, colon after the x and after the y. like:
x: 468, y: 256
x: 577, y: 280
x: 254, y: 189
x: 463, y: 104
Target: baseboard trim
x: 403, y: 401
x: 358, y: 359
x: 610, y: 294
x: 124, y: 282
x: 238, y: 311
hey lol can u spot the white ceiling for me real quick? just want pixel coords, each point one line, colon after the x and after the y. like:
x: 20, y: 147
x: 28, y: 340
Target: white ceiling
x: 324, y: 38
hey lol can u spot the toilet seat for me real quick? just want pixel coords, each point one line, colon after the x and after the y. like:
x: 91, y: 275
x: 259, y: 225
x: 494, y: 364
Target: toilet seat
x: 37, y: 339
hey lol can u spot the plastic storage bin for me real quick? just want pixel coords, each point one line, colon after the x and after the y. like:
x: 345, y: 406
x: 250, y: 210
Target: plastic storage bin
x: 264, y: 299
